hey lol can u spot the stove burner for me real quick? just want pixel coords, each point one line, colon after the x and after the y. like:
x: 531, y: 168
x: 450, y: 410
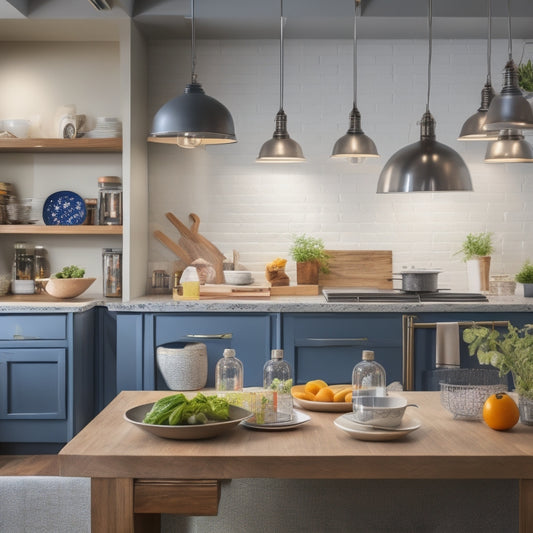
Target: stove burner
x: 353, y: 295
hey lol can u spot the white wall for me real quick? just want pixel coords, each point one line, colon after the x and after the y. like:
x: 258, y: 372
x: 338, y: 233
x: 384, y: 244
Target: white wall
x: 255, y: 208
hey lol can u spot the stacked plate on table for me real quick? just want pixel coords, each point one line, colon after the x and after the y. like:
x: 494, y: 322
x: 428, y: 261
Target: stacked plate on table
x: 106, y: 127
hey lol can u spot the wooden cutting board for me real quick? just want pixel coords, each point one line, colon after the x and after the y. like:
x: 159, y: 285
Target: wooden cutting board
x: 358, y: 268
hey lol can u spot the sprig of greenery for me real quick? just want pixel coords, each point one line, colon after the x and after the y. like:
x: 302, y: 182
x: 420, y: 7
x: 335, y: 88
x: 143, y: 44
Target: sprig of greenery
x: 306, y: 249
x: 476, y: 245
x: 508, y: 352
x: 71, y: 271
x: 526, y: 273
x: 525, y: 76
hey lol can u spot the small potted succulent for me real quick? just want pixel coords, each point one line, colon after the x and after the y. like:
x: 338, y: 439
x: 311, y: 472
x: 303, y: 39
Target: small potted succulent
x: 310, y: 257
x: 476, y: 249
x: 525, y: 276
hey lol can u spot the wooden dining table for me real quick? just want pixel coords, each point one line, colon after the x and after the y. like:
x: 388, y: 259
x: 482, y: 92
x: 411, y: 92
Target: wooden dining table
x: 136, y: 476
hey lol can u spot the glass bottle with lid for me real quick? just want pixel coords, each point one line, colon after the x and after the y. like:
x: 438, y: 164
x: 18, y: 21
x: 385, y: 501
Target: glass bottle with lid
x: 368, y: 378
x: 229, y: 372
x: 277, y: 376
x: 112, y: 272
x: 109, y: 200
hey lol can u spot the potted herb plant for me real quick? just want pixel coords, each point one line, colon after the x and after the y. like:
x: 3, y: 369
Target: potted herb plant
x: 525, y: 276
x: 511, y: 351
x: 525, y: 77
x: 310, y: 257
x: 476, y: 249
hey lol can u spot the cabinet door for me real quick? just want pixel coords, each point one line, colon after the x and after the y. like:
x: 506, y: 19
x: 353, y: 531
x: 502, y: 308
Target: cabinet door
x: 328, y: 346
x: 33, y: 383
x: 251, y: 336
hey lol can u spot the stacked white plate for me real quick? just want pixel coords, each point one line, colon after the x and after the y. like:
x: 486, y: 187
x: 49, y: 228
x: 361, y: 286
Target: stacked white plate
x: 106, y: 127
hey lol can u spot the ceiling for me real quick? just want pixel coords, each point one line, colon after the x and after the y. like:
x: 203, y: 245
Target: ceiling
x: 249, y: 19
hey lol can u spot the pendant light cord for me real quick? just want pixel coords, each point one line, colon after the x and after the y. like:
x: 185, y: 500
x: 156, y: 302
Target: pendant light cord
x: 193, y: 45
x: 281, y: 58
x: 509, y: 42
x: 430, y: 24
x: 489, y: 42
x: 357, y: 2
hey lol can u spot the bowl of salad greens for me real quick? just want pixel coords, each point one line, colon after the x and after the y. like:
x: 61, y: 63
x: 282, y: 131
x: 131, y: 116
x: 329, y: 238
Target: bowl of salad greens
x: 179, y: 418
x: 68, y: 283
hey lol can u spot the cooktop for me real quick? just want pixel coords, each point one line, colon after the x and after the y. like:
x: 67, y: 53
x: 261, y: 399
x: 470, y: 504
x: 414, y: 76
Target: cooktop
x: 376, y: 295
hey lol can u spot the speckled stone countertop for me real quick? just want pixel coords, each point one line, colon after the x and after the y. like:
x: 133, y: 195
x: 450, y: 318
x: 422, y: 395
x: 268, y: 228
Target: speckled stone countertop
x: 277, y: 304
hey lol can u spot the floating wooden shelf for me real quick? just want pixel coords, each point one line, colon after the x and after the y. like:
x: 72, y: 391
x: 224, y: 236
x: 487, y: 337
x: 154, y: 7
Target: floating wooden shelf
x: 82, y: 144
x: 60, y: 230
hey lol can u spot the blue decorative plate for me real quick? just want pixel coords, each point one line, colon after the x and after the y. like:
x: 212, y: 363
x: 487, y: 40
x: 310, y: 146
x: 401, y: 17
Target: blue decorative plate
x: 64, y: 208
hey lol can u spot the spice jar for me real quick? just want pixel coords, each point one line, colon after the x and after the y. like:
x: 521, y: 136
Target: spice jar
x: 109, y: 201
x: 91, y: 205
x: 112, y: 272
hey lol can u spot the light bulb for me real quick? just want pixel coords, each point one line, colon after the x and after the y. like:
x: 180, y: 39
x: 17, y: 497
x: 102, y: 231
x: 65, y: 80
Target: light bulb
x: 188, y: 142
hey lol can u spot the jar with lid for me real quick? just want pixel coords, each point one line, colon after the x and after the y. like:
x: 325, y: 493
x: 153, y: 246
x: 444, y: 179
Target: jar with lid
x: 112, y: 272
x: 91, y: 206
x: 277, y: 377
x: 229, y: 372
x: 368, y: 378
x: 23, y: 269
x: 109, y: 200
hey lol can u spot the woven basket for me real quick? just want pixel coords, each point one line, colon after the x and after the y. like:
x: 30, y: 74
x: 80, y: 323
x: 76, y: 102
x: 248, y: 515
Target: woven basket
x: 183, y: 366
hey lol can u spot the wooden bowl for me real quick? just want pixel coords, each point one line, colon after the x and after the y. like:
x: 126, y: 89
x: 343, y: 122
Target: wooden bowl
x: 67, y: 287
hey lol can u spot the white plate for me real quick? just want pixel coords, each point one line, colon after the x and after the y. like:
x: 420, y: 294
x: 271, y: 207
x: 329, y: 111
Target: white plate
x: 298, y: 419
x: 358, y: 431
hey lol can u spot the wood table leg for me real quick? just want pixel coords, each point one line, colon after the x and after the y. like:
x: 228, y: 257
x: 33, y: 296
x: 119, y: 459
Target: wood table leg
x: 526, y: 506
x: 112, y: 508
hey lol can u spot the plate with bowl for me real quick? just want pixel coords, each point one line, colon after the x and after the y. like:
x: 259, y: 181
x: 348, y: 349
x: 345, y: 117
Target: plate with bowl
x: 331, y: 407
x: 136, y: 415
x: 347, y: 424
x: 298, y: 418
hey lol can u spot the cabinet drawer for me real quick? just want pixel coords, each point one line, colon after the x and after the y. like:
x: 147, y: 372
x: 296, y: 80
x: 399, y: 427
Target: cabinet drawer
x: 32, y: 327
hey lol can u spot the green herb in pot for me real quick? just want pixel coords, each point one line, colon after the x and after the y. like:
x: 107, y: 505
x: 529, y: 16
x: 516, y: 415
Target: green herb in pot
x: 71, y: 271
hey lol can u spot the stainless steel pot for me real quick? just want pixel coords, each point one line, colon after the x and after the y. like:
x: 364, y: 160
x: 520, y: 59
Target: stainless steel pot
x: 419, y: 280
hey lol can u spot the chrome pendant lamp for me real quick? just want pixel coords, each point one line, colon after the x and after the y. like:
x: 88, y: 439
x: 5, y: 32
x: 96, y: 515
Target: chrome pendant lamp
x: 511, y: 147
x: 427, y: 165
x: 509, y: 110
x: 355, y: 145
x: 472, y: 129
x: 193, y: 118
x: 281, y: 148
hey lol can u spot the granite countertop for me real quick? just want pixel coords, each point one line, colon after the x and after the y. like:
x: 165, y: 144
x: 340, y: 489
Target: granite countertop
x: 276, y: 304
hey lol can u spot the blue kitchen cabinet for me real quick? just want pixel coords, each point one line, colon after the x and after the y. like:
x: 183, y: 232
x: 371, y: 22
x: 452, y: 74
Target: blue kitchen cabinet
x: 251, y: 335
x: 47, y: 379
x: 327, y: 346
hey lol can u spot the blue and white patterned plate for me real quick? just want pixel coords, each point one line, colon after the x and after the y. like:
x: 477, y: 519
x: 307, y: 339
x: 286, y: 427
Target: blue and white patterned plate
x: 64, y: 208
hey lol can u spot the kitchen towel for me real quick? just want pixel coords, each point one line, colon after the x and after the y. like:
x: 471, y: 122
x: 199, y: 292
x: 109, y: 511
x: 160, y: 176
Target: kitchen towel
x: 447, y: 345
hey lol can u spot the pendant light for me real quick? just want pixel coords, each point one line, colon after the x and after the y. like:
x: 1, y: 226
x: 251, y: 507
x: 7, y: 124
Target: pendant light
x: 281, y: 148
x: 472, y: 129
x: 193, y: 118
x: 355, y: 144
x: 426, y: 165
x: 509, y: 110
x: 511, y: 147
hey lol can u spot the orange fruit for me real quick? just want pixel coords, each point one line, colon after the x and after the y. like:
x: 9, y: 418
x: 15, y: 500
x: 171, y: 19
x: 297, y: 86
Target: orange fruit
x: 341, y: 395
x: 325, y: 394
x: 312, y: 387
x: 320, y: 382
x: 348, y: 397
x: 304, y: 396
x: 500, y: 411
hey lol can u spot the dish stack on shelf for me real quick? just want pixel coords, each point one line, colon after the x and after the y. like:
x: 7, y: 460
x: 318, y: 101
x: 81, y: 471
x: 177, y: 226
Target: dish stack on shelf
x: 106, y: 127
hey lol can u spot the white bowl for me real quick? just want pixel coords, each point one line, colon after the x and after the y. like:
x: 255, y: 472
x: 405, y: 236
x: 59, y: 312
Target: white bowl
x: 382, y: 411
x: 18, y: 127
x: 67, y: 287
x: 238, y: 277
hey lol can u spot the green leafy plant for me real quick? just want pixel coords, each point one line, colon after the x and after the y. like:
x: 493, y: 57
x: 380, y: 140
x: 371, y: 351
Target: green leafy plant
x: 526, y: 273
x: 508, y: 352
x: 525, y: 76
x: 477, y: 245
x: 305, y: 249
x: 71, y: 271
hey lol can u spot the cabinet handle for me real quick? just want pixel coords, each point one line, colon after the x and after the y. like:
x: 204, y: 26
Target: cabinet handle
x: 17, y: 337
x: 213, y: 336
x: 329, y: 339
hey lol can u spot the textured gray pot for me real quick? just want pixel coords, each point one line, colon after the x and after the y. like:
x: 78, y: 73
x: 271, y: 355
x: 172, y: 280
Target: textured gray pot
x: 528, y: 290
x: 183, y: 366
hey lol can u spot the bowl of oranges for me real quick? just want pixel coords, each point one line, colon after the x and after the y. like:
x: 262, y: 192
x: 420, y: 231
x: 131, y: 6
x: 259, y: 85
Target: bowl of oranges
x: 317, y: 395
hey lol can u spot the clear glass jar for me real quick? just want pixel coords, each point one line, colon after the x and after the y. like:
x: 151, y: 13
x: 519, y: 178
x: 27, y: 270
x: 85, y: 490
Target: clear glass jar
x: 277, y: 376
x: 109, y: 201
x: 42, y: 265
x: 91, y: 206
x: 112, y: 272
x: 229, y: 372
x: 22, y: 280
x: 368, y: 378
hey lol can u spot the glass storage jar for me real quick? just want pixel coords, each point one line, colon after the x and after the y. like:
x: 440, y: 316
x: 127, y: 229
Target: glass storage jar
x: 109, y: 201
x: 112, y: 272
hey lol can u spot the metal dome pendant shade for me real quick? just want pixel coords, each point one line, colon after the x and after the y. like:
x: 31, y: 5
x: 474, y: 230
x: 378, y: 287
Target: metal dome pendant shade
x: 193, y: 118
x: 426, y: 165
x: 511, y: 147
x: 509, y: 110
x: 355, y: 144
x: 281, y: 148
x: 473, y: 128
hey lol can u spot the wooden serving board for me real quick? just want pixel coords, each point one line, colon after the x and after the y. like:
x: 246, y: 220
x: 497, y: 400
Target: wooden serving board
x: 295, y: 290
x: 358, y: 268
x: 220, y: 291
